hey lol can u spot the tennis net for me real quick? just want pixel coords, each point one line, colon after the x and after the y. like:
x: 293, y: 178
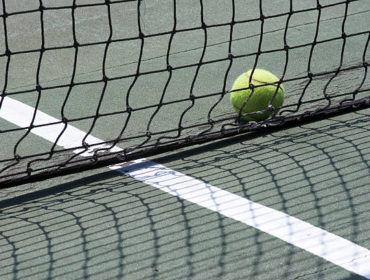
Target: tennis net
x: 92, y: 83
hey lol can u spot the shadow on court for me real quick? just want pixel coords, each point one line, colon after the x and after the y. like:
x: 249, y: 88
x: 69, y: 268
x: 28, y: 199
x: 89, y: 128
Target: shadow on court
x: 108, y: 226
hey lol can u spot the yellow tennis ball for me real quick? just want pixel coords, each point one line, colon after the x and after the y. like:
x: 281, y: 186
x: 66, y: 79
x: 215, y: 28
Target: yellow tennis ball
x: 264, y: 85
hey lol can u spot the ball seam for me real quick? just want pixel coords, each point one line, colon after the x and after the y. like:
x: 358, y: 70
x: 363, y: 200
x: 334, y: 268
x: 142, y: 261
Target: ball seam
x: 253, y: 79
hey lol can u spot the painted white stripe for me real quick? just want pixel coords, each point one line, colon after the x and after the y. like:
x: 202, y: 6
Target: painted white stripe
x: 319, y: 242
x: 21, y: 115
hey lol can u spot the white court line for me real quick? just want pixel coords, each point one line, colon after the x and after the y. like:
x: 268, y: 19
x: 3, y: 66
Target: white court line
x: 21, y: 115
x: 319, y: 242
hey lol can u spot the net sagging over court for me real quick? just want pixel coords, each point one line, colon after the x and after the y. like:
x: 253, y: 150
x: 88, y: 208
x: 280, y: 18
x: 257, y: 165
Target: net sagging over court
x: 153, y: 76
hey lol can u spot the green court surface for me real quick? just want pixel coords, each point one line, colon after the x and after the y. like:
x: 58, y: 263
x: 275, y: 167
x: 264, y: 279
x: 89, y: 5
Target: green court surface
x: 104, y: 224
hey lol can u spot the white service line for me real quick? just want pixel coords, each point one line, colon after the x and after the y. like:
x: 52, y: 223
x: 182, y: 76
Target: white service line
x: 319, y: 242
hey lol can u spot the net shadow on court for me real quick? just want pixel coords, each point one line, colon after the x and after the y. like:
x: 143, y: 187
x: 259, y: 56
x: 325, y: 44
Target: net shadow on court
x: 107, y: 225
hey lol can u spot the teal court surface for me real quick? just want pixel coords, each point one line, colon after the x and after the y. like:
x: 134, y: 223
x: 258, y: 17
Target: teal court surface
x: 285, y: 202
x: 101, y: 224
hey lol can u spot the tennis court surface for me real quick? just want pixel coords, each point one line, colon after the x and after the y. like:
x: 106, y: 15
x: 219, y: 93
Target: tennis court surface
x: 122, y: 158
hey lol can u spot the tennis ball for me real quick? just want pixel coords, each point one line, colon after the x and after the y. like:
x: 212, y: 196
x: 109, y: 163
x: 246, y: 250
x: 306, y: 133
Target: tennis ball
x: 265, y: 85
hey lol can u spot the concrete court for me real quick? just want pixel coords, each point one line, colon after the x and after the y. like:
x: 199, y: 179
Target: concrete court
x: 102, y: 225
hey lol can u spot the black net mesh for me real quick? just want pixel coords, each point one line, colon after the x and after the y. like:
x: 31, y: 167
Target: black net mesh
x: 145, y: 77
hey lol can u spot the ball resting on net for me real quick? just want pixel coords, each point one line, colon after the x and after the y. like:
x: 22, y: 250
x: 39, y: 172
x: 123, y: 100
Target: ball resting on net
x: 250, y: 95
